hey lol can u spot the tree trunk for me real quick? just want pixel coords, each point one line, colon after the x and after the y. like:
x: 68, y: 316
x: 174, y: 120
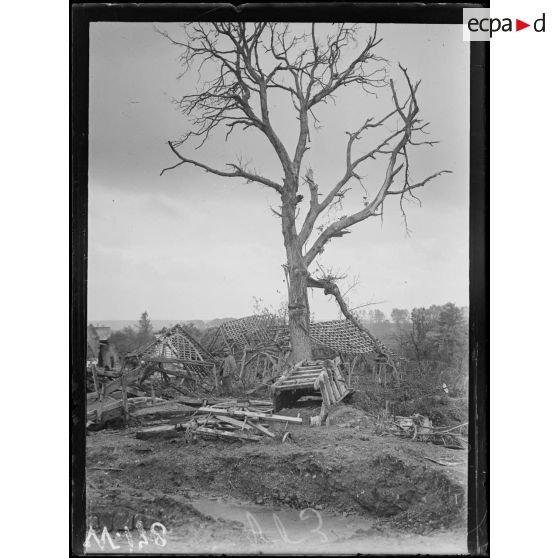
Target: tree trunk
x: 299, y: 314
x: 299, y: 311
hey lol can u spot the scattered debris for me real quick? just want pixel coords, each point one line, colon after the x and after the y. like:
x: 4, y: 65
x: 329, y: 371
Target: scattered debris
x: 229, y: 419
x: 419, y: 427
x: 444, y: 463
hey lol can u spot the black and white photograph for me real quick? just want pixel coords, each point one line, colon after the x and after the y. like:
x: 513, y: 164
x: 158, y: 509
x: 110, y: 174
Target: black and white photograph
x: 277, y: 236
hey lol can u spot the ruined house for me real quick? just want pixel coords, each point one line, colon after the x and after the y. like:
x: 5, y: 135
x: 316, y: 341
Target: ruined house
x: 175, y: 353
x: 261, y: 346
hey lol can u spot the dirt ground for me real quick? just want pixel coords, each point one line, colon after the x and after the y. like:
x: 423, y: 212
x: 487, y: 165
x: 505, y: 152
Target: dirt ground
x: 379, y: 487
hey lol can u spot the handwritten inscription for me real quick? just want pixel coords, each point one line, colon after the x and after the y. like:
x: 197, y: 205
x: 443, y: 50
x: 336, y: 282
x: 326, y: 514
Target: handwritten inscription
x: 157, y: 535
x: 256, y: 533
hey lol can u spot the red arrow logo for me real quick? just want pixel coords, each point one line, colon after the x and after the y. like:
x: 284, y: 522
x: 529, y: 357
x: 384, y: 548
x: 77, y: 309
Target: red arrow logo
x: 519, y: 25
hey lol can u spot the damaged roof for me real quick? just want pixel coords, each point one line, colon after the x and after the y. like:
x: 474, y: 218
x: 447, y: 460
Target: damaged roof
x: 339, y: 335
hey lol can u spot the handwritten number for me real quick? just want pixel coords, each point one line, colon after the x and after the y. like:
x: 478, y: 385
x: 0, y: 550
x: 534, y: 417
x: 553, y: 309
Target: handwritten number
x: 158, y: 530
x: 254, y: 529
x: 144, y: 541
x: 283, y: 531
x: 303, y: 516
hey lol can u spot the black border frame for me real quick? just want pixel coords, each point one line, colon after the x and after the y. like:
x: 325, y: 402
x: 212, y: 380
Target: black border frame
x: 82, y: 14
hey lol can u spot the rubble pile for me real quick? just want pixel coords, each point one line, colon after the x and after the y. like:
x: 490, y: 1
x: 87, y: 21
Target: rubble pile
x: 232, y: 420
x: 419, y: 427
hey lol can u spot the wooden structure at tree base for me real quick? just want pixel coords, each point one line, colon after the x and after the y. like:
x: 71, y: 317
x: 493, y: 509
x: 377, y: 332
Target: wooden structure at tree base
x: 310, y: 377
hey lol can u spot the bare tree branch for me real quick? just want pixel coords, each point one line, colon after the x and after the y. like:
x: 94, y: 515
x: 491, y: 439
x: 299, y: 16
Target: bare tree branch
x: 408, y: 113
x: 251, y: 60
x: 330, y: 287
x: 238, y: 172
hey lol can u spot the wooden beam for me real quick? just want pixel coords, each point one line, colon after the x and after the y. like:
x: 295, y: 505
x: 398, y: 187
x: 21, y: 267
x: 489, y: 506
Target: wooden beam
x: 295, y: 385
x: 325, y: 394
x: 158, y: 432
x: 303, y: 376
x: 262, y: 429
x: 334, y: 390
x: 225, y: 434
x: 177, y: 361
x: 232, y: 421
x: 294, y: 379
x: 250, y: 415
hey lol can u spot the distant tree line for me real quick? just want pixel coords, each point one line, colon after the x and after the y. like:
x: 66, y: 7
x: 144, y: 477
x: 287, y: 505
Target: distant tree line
x: 130, y: 339
x: 435, y: 340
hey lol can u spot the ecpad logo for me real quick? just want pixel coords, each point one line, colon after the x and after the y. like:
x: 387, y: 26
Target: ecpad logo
x: 479, y: 26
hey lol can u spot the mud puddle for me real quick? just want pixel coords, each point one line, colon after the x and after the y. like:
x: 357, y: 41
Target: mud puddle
x: 271, y: 524
x: 269, y: 529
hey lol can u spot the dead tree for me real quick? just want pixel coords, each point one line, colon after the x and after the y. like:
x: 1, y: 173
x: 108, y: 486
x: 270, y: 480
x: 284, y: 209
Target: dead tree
x: 249, y: 62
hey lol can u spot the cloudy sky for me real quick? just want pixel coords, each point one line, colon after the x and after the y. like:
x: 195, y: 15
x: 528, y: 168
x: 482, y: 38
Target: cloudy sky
x: 190, y: 245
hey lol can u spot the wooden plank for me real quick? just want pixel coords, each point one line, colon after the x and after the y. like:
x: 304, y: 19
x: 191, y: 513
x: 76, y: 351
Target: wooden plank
x: 307, y: 370
x: 334, y: 389
x: 337, y: 374
x: 162, y: 413
x: 348, y: 392
x: 108, y: 411
x: 325, y: 394
x: 262, y: 429
x: 135, y: 391
x: 251, y: 415
x: 107, y: 374
x: 260, y: 402
x: 305, y: 381
x: 293, y: 387
x: 158, y: 432
x: 96, y: 405
x: 304, y: 375
x: 327, y: 384
x: 227, y: 435
x: 233, y: 421
x: 341, y: 386
x: 137, y: 402
x: 178, y: 361
x: 294, y: 382
x: 109, y: 387
x: 131, y: 376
